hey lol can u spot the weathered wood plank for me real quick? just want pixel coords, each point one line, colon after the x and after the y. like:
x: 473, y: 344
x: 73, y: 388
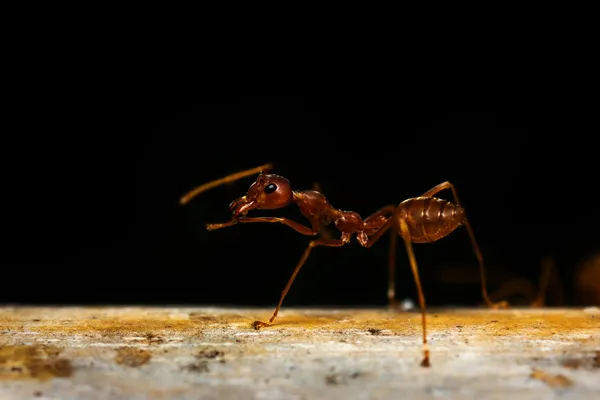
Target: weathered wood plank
x: 144, y: 352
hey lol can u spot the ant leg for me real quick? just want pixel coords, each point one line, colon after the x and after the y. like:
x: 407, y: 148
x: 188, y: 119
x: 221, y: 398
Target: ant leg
x: 314, y: 243
x: 516, y: 287
x: 292, y: 224
x: 391, y: 293
x: 212, y: 227
x: 489, y: 302
x: 413, y: 265
x: 229, y: 178
x: 371, y: 222
x: 405, y: 233
x: 547, y: 270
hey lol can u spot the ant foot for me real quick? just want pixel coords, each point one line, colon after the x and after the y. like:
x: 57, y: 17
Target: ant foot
x: 395, y: 306
x: 257, y: 325
x: 501, y: 305
x: 425, y: 362
x: 538, y: 303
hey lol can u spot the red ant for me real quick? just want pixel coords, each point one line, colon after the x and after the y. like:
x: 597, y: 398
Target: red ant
x: 422, y: 219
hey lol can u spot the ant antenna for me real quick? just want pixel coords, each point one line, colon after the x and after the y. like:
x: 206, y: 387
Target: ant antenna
x: 229, y: 178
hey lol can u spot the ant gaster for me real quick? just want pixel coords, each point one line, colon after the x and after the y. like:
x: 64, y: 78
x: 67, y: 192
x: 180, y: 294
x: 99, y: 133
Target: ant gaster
x: 422, y: 219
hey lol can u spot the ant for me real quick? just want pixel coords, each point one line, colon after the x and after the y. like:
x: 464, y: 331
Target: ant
x: 422, y: 219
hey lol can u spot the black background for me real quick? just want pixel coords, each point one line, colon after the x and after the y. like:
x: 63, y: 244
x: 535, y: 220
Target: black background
x: 92, y: 185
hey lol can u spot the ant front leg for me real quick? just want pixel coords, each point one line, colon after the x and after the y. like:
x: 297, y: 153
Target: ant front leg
x: 298, y: 228
x: 314, y: 243
x: 489, y: 302
x: 305, y: 230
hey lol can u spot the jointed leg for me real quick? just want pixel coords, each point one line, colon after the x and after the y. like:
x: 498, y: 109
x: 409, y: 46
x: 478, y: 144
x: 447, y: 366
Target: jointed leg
x: 547, y: 271
x: 391, y: 293
x: 448, y: 185
x: 403, y: 227
x: 413, y: 265
x: 376, y: 219
x: 314, y: 243
x: 292, y: 224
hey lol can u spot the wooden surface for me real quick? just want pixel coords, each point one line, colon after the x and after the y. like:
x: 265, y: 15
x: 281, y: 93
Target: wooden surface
x: 213, y: 353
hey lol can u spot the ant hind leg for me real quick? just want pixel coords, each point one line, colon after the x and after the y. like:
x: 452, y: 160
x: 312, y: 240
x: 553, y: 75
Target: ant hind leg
x: 486, y: 297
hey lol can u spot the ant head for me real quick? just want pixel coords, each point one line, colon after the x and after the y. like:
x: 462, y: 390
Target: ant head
x: 269, y: 192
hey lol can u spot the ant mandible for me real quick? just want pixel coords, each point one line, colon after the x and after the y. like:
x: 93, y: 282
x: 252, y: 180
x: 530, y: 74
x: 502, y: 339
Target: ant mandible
x: 422, y: 219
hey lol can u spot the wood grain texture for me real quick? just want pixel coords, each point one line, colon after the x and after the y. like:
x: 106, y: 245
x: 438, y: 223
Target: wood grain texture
x: 213, y: 353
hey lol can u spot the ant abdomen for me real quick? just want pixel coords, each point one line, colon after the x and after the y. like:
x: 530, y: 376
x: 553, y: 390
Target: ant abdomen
x: 429, y: 218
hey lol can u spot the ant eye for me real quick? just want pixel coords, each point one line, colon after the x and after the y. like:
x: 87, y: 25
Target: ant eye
x: 270, y: 188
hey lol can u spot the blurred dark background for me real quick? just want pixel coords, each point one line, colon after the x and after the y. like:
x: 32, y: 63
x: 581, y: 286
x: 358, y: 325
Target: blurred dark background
x: 92, y: 185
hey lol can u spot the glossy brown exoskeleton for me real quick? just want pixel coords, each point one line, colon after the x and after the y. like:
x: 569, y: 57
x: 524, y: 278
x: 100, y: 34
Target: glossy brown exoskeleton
x: 422, y: 219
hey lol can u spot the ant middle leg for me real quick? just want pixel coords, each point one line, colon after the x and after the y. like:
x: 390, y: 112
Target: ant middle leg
x: 375, y: 220
x: 484, y: 292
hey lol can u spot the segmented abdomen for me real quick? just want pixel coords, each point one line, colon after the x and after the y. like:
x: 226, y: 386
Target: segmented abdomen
x: 429, y: 218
